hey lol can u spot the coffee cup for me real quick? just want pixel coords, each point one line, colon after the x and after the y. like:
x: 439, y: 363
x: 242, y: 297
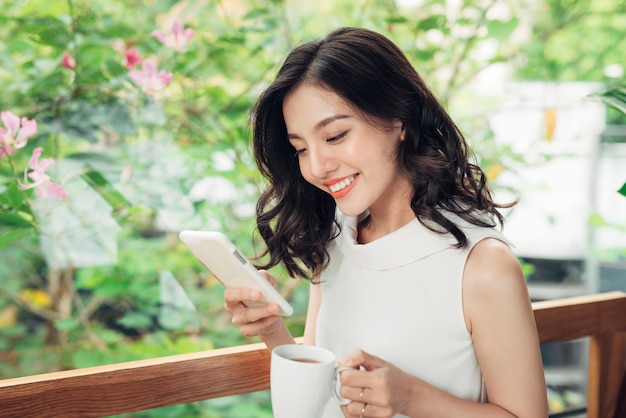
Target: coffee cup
x: 302, y: 378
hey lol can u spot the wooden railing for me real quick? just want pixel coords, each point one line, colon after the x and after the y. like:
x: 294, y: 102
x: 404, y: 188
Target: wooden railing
x: 146, y: 384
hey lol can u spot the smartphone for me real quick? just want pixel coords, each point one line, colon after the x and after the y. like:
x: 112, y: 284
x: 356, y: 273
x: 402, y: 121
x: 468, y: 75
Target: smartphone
x: 217, y: 253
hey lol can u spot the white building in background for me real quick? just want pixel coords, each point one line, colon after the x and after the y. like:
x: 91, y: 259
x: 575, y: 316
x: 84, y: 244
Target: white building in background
x: 569, y: 188
x: 570, y: 223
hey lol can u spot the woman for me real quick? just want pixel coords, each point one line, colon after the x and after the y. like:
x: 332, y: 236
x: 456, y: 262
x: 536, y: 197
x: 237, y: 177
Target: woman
x: 372, y: 196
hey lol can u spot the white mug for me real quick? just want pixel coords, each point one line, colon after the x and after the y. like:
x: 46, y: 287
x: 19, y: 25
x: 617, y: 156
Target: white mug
x: 302, y: 378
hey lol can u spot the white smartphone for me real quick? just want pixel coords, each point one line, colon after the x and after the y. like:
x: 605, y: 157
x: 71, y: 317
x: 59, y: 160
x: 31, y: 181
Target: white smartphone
x: 217, y: 253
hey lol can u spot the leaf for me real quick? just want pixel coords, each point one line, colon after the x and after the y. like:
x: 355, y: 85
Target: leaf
x: 82, y: 119
x: 67, y: 324
x: 93, y: 158
x: 425, y: 55
x: 105, y: 189
x: 111, y: 288
x: 177, y: 311
x: 135, y: 320
x: 82, y: 358
x: 80, y: 231
x: 114, y: 115
x: 432, y: 22
x: 47, y: 30
x: 16, y: 220
x: 502, y: 30
x: 14, y: 196
x: 9, y: 237
x: 396, y: 19
x: 596, y: 220
x: 615, y: 97
x: 256, y: 13
x: 119, y: 30
x: 622, y: 190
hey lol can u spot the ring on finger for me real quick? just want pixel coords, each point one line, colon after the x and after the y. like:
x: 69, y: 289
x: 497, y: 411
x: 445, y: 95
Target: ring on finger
x: 363, y: 411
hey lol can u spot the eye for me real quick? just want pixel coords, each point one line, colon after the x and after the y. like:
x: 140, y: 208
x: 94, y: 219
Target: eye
x: 337, y: 137
x: 299, y: 152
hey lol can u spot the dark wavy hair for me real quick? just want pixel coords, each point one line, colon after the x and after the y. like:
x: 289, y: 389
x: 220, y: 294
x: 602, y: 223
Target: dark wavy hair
x: 296, y: 219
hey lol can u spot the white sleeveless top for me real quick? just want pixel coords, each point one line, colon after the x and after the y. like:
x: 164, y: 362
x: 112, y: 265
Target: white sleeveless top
x: 400, y: 299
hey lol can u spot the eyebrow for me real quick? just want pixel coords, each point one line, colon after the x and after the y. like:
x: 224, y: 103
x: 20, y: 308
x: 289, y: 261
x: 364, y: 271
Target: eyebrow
x: 322, y: 124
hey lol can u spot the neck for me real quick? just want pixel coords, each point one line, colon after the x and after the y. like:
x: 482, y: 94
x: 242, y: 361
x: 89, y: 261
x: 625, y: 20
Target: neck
x: 391, y: 212
x: 376, y: 226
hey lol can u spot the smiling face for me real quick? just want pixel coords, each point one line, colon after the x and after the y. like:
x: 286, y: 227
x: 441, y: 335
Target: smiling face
x: 342, y: 154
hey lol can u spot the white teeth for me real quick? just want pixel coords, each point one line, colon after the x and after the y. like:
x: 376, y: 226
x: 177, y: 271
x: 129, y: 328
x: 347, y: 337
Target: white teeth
x: 341, y: 185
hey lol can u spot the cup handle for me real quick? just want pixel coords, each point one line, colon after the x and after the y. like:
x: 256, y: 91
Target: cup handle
x: 337, y: 385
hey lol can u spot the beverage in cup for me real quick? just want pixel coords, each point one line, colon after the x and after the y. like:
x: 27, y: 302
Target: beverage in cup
x: 302, y: 378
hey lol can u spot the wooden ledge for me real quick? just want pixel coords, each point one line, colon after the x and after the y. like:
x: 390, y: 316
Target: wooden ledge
x: 147, y: 384
x: 137, y: 385
x: 580, y: 316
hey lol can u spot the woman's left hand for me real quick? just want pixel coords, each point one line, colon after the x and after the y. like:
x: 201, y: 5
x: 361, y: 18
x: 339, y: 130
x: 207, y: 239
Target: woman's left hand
x: 378, y: 389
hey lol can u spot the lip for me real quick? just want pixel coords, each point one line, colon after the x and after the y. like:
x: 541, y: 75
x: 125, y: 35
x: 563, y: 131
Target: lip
x: 343, y: 192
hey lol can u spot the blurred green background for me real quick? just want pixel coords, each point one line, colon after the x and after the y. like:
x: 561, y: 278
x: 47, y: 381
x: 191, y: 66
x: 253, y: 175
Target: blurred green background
x: 100, y: 277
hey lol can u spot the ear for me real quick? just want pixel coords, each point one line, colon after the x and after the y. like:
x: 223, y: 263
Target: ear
x: 402, y: 133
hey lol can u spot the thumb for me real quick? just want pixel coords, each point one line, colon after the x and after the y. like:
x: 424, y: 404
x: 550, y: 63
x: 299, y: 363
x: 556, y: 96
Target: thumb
x: 361, y: 358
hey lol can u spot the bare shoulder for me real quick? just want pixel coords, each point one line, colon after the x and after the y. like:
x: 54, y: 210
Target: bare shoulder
x: 491, y: 255
x: 492, y: 277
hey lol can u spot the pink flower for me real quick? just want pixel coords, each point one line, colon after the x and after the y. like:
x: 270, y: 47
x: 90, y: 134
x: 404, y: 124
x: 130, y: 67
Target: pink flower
x: 149, y: 79
x: 177, y: 38
x: 16, y: 133
x: 41, y: 181
x: 67, y: 61
x: 131, y: 57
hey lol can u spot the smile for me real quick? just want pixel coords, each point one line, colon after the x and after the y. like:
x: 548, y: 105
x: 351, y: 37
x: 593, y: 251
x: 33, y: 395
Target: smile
x: 341, y: 185
x: 341, y: 188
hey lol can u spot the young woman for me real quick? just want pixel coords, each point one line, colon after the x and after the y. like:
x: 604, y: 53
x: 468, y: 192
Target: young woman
x: 373, y: 197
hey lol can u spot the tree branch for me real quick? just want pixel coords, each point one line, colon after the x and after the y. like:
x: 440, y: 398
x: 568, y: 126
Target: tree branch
x: 44, y: 313
x: 462, y: 56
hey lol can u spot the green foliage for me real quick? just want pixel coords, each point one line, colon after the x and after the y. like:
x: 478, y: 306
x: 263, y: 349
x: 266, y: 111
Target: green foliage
x: 615, y: 97
x: 575, y: 40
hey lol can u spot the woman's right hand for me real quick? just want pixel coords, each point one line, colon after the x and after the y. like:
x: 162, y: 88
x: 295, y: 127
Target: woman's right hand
x: 258, y: 321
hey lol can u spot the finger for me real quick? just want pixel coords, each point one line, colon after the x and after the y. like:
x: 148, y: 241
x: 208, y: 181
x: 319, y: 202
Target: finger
x: 249, y: 315
x: 349, y: 411
x: 361, y: 409
x: 353, y: 381
x: 356, y: 394
x: 354, y: 359
x: 263, y: 326
x: 235, y: 295
x: 269, y: 278
x: 361, y: 358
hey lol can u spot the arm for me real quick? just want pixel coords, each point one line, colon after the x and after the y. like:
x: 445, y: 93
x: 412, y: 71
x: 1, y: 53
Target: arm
x: 315, y: 300
x: 499, y: 316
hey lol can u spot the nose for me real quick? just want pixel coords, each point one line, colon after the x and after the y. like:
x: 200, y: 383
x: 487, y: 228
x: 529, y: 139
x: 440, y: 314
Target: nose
x: 322, y: 161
